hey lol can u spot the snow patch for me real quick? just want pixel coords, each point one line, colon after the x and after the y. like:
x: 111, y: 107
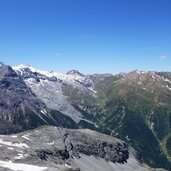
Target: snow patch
x: 31, y: 80
x: 166, y: 80
x: 144, y: 88
x: 143, y: 72
x: 20, y: 166
x: 139, y: 83
x: 91, y: 89
x: 127, y: 138
x: 138, y: 72
x: 10, y: 148
x: 43, y: 111
x: 153, y: 78
x: 50, y: 143
x: 152, y: 125
x: 168, y: 87
x: 14, y: 144
x: 67, y: 165
x: 20, y: 156
x: 20, y: 151
x: 26, y: 137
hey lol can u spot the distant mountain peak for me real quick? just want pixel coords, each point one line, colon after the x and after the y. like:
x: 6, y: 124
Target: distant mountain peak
x: 1, y: 63
x: 6, y: 71
x: 138, y: 71
x: 74, y: 72
x: 21, y: 67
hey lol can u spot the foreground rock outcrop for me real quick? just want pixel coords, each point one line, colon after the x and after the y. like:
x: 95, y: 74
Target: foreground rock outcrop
x: 54, y: 148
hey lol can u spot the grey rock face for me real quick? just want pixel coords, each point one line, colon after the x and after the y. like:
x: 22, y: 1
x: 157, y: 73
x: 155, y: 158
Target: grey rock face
x: 76, y: 142
x: 20, y: 109
x: 58, y: 148
x: 55, y: 89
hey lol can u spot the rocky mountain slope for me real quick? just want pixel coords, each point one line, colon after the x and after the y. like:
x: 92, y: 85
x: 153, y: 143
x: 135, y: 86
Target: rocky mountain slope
x: 64, y: 149
x: 48, y: 87
x: 21, y: 109
x: 134, y: 107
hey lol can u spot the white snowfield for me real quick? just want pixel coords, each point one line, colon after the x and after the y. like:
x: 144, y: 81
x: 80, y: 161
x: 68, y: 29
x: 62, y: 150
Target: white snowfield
x: 21, y: 167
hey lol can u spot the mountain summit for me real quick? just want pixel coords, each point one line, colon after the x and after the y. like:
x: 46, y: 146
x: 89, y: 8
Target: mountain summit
x: 74, y: 72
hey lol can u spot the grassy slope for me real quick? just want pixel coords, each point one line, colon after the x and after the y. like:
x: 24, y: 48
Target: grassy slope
x: 129, y: 115
x: 164, y: 146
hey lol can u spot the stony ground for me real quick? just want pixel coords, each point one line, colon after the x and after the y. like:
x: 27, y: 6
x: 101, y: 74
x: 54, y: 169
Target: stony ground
x: 54, y: 148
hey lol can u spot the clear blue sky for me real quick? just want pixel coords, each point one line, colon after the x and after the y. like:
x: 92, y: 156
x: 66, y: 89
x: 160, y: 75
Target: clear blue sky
x: 92, y: 36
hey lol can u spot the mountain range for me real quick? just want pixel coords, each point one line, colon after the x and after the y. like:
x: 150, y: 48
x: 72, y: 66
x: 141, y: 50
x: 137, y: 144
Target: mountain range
x: 134, y: 107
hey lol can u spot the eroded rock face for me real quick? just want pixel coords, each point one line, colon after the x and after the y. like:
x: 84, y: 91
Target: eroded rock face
x: 76, y: 142
x: 20, y: 109
x: 54, y: 147
x: 89, y: 144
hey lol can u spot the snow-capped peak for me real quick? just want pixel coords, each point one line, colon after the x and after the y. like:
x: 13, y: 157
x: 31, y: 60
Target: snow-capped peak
x: 22, y: 67
x: 50, y: 87
x: 69, y: 76
x: 72, y: 77
x: 28, y: 69
x: 140, y: 72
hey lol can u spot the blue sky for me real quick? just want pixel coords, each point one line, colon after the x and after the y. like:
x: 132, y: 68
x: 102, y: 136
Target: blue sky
x: 92, y: 36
